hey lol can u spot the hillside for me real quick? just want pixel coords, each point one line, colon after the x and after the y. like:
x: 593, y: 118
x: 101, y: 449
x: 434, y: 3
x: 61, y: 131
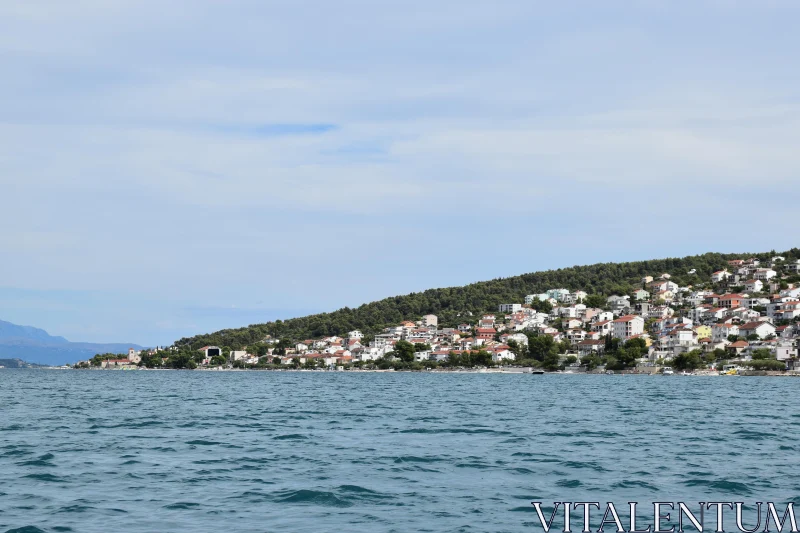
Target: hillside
x: 9, y: 331
x: 453, y: 303
x: 16, y: 363
x: 35, y: 345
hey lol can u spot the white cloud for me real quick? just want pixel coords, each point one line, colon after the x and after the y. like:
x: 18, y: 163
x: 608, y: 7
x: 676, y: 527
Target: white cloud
x: 128, y: 143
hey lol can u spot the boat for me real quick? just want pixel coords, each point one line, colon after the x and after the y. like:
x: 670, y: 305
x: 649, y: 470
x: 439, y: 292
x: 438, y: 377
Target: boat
x: 667, y: 371
x: 537, y: 371
x: 729, y: 370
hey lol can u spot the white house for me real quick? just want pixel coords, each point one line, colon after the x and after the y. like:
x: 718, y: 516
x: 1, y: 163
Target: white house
x: 628, y: 326
x: 762, y: 329
x: 603, y: 327
x: 430, y: 321
x: 764, y: 274
x: 510, y: 308
x: 753, y: 285
x: 238, y: 355
x: 619, y: 302
x: 719, y: 276
x: 788, y: 310
x: 793, y: 292
x: 720, y: 332
x: 604, y: 315
x: 557, y: 294
x: 502, y: 353
x: 519, y: 338
x: 680, y: 337
x: 355, y: 334
x: 529, y: 299
x: 571, y: 312
x: 662, y: 285
x: 210, y: 351
x: 755, y: 302
x: 641, y: 294
x: 574, y: 297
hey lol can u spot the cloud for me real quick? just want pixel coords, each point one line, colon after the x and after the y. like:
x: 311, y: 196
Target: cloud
x: 214, y: 154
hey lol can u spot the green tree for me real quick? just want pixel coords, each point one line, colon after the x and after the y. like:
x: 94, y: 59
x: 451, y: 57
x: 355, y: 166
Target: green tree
x: 595, y: 300
x: 539, y: 346
x: 517, y: 349
x: 551, y: 361
x: 482, y: 358
x: 453, y: 359
x: 688, y: 360
x: 404, y: 351
x: 182, y: 360
x: 762, y: 354
x: 592, y: 361
x: 765, y: 364
x: 151, y: 360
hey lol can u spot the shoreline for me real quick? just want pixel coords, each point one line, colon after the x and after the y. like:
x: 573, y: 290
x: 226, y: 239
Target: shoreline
x: 517, y: 370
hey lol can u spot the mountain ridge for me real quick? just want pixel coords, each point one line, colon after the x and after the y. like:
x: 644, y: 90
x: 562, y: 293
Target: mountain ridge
x: 34, y: 345
x: 450, y: 303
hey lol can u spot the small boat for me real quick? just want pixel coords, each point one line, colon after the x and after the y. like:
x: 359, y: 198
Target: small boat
x: 667, y: 371
x: 537, y: 371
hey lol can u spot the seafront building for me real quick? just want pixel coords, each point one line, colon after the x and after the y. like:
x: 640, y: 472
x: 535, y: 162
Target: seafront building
x: 740, y: 309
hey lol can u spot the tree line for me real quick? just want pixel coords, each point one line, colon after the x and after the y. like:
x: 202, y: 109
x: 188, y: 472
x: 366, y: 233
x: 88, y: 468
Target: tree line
x: 454, y: 305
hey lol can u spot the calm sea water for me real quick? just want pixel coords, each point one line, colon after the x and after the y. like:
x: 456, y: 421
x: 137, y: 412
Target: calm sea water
x: 282, y: 451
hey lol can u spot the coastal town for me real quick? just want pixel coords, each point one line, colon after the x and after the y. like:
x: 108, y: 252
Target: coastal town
x: 747, y: 313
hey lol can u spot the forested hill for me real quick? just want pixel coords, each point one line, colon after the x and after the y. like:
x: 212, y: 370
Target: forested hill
x: 454, y: 304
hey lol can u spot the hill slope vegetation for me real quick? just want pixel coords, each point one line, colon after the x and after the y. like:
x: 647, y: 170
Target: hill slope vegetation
x: 457, y: 304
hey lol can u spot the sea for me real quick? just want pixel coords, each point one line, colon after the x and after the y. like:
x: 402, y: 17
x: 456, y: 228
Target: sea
x: 164, y: 451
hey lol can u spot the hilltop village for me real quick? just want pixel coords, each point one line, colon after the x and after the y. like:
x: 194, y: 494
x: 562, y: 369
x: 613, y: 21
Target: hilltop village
x: 747, y: 313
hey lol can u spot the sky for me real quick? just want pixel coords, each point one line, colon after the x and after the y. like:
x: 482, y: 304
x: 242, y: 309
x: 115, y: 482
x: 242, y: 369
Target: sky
x: 174, y: 168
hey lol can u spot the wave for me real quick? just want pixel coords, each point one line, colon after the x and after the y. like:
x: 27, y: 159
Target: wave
x: 731, y: 487
x: 291, y: 436
x: 50, y: 478
x: 182, y: 506
x: 313, y: 497
x: 43, y: 460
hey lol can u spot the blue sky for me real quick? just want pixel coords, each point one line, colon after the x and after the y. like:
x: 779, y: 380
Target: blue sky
x: 172, y: 168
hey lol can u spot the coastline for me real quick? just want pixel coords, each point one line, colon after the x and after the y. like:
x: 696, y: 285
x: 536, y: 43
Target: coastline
x: 519, y: 370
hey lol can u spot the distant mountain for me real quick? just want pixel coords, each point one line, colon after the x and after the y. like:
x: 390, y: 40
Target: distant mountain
x: 16, y: 363
x: 9, y: 331
x: 35, y: 345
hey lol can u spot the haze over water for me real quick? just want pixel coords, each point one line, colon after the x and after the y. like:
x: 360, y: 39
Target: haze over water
x: 365, y: 452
